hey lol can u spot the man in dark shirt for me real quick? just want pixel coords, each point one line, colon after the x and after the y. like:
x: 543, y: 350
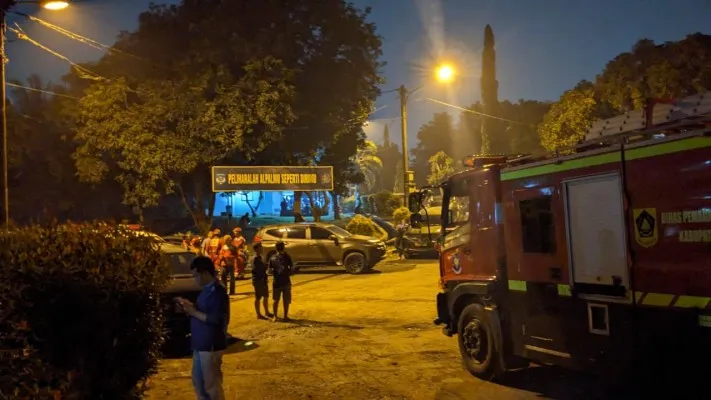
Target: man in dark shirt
x: 281, y: 266
x: 260, y: 281
x: 208, y: 329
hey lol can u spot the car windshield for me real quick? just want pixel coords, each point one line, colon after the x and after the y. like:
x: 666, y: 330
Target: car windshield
x: 339, y: 231
x: 180, y: 263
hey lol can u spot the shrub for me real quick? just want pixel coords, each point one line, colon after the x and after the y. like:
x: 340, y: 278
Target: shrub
x: 386, y: 203
x: 401, y: 214
x: 362, y: 225
x: 79, y: 312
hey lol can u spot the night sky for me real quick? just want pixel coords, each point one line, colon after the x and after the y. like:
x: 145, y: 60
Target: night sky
x: 542, y: 50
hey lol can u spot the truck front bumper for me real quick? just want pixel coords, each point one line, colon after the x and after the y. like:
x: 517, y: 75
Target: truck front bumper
x: 443, y: 316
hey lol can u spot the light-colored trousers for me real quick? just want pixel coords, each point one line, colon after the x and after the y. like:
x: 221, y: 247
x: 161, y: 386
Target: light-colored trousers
x: 207, y: 375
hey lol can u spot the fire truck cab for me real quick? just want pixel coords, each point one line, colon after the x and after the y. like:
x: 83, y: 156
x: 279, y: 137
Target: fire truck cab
x: 596, y: 259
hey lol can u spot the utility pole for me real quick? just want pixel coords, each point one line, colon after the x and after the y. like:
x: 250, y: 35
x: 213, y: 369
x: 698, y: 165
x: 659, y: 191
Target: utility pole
x: 3, y: 113
x: 403, y: 125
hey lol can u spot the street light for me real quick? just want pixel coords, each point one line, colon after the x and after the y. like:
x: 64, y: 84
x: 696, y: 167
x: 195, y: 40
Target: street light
x: 444, y: 73
x: 49, y: 5
x: 55, y: 5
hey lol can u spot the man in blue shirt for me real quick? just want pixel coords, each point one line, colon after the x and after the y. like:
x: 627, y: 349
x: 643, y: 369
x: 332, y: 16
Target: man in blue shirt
x: 208, y: 329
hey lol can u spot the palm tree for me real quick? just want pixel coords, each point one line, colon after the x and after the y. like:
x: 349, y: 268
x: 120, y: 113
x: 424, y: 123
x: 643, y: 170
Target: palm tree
x: 369, y: 163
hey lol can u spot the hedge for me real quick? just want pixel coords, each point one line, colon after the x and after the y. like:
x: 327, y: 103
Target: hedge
x: 362, y: 225
x: 401, y: 214
x: 80, y: 316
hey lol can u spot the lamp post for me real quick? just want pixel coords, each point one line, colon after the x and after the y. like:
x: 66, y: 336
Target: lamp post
x: 444, y: 73
x: 49, y: 5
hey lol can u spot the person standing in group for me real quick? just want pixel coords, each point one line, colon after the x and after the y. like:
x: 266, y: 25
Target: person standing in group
x: 209, y: 317
x: 280, y: 265
x: 240, y: 243
x: 227, y: 261
x: 260, y: 282
x: 205, y: 246
x: 400, y: 232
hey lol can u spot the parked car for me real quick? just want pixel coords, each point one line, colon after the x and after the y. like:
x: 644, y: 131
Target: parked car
x: 321, y: 244
x: 182, y: 284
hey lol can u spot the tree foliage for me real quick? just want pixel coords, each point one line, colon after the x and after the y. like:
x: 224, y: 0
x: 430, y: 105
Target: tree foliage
x: 43, y: 182
x: 369, y: 164
x: 649, y: 70
x: 252, y: 82
x: 433, y: 137
x: 441, y: 166
x: 390, y: 155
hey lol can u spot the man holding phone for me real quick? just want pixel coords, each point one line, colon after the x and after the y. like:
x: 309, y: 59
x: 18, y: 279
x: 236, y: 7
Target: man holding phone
x: 209, y: 317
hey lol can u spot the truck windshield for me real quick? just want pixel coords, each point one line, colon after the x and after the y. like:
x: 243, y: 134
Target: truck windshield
x: 455, y: 205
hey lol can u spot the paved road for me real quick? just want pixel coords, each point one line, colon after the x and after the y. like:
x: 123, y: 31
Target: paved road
x: 358, y: 337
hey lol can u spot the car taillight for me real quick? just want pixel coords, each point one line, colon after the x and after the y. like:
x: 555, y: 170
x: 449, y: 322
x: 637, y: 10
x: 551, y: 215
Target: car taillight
x: 257, y: 239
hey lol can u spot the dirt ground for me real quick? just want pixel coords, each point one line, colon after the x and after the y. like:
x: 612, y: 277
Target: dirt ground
x: 358, y: 337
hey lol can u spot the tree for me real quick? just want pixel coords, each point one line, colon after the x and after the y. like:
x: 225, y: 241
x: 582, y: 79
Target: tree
x: 433, y: 137
x: 390, y: 155
x: 43, y: 182
x: 521, y: 134
x: 492, y: 130
x: 568, y: 119
x: 253, y: 82
x: 163, y: 136
x: 441, y: 166
x: 369, y: 164
x: 668, y: 70
x: 468, y: 133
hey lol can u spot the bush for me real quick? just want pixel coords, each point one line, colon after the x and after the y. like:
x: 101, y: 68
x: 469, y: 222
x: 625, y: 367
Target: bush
x: 401, y: 214
x: 361, y: 225
x: 79, y: 312
x: 385, y: 203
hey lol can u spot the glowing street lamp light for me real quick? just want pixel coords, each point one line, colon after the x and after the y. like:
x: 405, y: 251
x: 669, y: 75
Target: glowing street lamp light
x: 55, y: 5
x: 445, y: 73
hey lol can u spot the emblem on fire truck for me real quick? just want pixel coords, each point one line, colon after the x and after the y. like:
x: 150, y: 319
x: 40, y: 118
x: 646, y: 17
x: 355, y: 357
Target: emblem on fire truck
x: 456, y: 266
x: 645, y: 226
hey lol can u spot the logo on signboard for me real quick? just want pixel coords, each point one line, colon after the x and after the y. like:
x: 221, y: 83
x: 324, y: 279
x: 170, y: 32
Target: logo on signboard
x: 456, y: 264
x: 325, y: 178
x: 646, y: 232
x: 220, y: 179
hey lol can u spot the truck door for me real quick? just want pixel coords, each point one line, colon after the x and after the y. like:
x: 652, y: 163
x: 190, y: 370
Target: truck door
x: 457, y: 253
x: 541, y: 259
x: 596, y: 233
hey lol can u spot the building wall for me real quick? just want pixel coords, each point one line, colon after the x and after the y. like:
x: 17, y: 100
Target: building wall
x: 270, y: 205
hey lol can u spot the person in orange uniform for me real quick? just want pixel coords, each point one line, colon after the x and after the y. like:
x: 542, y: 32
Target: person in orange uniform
x: 240, y: 243
x: 227, y: 260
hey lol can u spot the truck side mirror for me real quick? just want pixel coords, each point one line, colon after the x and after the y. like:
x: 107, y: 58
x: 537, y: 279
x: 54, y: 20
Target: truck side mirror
x: 414, y: 202
x: 415, y: 220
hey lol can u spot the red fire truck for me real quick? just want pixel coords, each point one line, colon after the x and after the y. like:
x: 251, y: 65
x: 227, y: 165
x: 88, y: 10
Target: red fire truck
x: 595, y: 259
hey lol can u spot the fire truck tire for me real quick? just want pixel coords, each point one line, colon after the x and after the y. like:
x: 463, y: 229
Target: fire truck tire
x: 477, y: 344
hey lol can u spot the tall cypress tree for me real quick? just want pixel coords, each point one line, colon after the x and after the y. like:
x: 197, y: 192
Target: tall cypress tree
x: 491, y: 132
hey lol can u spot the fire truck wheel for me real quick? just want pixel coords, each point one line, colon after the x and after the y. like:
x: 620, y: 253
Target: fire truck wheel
x: 355, y: 263
x: 476, y: 343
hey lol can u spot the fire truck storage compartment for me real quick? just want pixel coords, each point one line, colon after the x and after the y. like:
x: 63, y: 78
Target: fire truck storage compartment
x: 596, y: 235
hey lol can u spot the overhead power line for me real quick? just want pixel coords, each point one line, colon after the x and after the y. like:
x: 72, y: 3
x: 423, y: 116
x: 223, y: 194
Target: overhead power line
x: 41, y: 91
x: 82, y: 71
x: 477, y: 112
